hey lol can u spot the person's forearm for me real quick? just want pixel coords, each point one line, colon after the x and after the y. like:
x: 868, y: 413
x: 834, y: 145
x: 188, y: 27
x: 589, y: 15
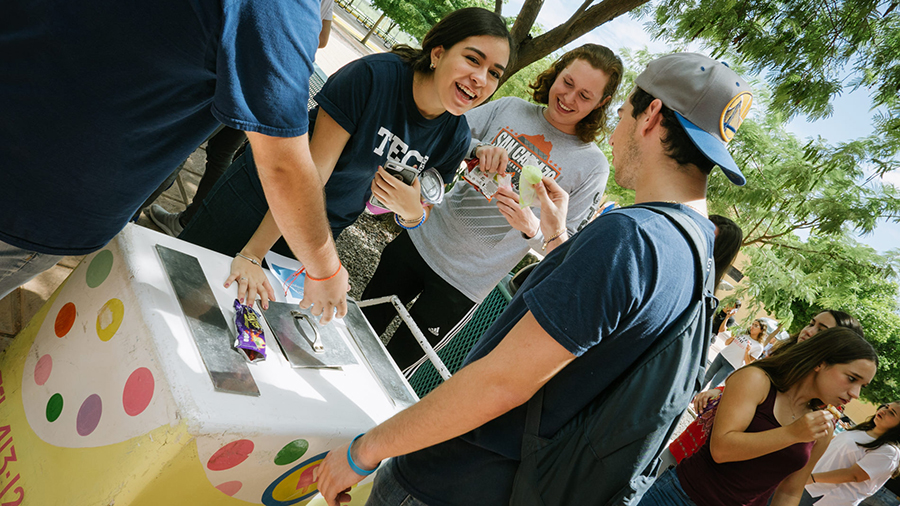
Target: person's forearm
x: 736, y: 446
x: 790, y: 490
x: 483, y: 390
x: 324, y: 33
x: 263, y: 239
x: 294, y: 192
x: 410, y: 223
x: 786, y: 499
x: 447, y: 412
x: 551, y: 245
x: 853, y: 474
x: 724, y: 325
x: 748, y: 358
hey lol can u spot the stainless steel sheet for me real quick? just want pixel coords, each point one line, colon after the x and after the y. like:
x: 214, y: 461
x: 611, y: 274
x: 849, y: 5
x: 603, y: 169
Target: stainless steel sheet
x: 296, y: 335
x: 227, y: 368
x: 377, y: 358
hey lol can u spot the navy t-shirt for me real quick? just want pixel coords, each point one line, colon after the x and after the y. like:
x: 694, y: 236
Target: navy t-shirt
x: 102, y: 100
x: 604, y: 295
x: 371, y: 98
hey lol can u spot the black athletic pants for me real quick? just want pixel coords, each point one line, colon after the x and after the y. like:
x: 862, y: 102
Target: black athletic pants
x: 439, y: 308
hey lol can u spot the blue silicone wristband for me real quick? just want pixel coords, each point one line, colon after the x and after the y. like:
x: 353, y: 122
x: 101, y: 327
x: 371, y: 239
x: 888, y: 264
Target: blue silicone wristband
x: 421, y: 221
x: 356, y: 469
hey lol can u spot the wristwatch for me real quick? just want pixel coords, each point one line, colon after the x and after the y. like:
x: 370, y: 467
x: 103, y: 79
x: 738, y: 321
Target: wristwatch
x: 480, y: 144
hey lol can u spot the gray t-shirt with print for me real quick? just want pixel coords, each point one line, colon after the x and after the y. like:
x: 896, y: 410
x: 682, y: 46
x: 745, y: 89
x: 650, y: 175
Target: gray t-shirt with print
x: 466, y: 240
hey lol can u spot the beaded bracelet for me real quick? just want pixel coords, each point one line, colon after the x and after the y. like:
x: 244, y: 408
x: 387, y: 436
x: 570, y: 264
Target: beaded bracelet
x: 552, y: 238
x: 329, y: 277
x: 251, y: 260
x: 419, y: 224
x: 356, y: 469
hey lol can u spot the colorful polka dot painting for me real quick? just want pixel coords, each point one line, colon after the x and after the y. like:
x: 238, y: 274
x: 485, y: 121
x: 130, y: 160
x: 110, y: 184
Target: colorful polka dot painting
x: 89, y: 415
x: 230, y: 455
x: 75, y: 349
x: 230, y: 488
x: 54, y: 407
x: 99, y: 268
x: 291, y: 452
x: 109, y: 318
x: 43, y: 369
x: 65, y: 319
x: 138, y: 391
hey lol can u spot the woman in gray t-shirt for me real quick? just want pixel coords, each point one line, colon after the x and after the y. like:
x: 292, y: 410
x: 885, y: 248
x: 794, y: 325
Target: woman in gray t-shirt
x: 479, y: 232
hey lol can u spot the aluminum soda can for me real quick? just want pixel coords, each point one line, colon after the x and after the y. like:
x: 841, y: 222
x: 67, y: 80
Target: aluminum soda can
x: 431, y: 186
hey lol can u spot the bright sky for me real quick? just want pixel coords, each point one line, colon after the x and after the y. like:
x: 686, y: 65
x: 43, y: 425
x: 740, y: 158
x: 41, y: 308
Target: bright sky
x: 851, y: 118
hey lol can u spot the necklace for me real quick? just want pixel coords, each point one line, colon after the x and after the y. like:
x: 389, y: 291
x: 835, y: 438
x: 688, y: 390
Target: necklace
x: 793, y: 413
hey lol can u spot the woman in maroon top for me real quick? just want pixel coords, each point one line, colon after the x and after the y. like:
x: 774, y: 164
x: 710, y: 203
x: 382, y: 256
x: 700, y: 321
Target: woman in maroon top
x: 767, y: 435
x: 694, y: 436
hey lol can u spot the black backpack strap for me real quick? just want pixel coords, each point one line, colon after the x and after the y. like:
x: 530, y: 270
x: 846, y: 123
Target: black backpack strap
x: 691, y: 230
x: 705, y: 288
x: 704, y: 266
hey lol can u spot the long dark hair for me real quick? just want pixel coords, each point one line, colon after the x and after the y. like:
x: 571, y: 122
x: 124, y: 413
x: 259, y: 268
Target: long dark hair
x: 600, y: 58
x: 891, y: 437
x: 729, y: 237
x: 454, y: 27
x: 841, y: 318
x: 837, y: 345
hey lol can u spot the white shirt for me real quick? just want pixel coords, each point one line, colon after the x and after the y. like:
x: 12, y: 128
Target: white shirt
x: 326, y: 9
x: 734, y: 352
x: 842, y: 453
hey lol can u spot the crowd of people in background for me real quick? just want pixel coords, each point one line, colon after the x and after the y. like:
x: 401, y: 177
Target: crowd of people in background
x: 623, y: 303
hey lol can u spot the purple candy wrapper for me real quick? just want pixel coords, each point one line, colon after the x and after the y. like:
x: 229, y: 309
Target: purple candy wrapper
x: 250, y: 341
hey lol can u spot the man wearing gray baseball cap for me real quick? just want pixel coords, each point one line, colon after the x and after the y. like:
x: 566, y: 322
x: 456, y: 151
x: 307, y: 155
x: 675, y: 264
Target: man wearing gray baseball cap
x: 572, y: 393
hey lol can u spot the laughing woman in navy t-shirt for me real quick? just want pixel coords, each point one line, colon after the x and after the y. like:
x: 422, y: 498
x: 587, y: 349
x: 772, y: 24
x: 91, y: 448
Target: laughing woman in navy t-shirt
x: 404, y: 106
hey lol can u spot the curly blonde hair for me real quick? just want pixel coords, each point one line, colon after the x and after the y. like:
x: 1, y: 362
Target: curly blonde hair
x: 599, y: 57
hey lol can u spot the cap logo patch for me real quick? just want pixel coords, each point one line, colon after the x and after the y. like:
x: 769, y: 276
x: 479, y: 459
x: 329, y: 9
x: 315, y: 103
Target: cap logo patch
x: 734, y: 115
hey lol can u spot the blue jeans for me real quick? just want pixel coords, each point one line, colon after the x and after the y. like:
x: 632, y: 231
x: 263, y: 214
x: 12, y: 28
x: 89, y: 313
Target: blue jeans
x: 717, y: 372
x: 666, y: 491
x: 387, y: 491
x: 18, y: 266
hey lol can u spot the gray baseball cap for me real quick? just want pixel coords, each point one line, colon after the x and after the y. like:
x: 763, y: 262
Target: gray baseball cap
x: 709, y: 99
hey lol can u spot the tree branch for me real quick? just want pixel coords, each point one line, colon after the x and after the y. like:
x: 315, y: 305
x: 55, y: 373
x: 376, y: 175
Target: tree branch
x: 577, y: 14
x: 531, y: 50
x: 498, y: 7
x: 525, y: 20
x: 839, y: 259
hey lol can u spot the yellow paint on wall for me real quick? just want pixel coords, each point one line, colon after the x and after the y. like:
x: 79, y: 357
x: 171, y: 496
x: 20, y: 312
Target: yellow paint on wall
x: 49, y: 474
x: 161, y: 467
